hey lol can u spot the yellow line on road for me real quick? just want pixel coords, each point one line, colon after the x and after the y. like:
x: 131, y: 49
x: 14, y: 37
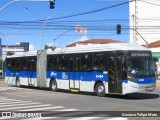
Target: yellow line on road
x: 2, y: 81
x: 158, y: 84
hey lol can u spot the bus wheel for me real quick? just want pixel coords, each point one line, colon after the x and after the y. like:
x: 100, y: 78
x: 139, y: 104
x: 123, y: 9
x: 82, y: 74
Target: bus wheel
x: 18, y: 82
x: 53, y: 86
x: 100, y: 90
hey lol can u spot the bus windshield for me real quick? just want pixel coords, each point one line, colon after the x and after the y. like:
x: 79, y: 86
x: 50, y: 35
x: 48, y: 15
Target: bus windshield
x: 141, y: 67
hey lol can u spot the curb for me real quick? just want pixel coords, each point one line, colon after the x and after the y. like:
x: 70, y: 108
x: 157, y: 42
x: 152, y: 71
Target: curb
x: 158, y: 84
x: 2, y: 81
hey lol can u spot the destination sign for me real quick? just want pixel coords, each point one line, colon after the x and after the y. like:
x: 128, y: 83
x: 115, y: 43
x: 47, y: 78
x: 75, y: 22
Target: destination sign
x: 140, y: 54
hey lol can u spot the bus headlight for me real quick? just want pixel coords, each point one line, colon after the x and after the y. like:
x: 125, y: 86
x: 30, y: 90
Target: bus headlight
x: 132, y: 79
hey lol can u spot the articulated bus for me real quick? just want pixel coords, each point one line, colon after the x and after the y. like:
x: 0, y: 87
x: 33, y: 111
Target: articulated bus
x: 115, y: 68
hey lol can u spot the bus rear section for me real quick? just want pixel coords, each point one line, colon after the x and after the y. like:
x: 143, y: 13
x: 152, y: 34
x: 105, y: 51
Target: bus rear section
x: 28, y: 69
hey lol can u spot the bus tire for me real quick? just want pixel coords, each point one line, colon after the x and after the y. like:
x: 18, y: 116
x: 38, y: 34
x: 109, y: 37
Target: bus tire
x: 100, y: 90
x: 18, y: 82
x: 53, y: 86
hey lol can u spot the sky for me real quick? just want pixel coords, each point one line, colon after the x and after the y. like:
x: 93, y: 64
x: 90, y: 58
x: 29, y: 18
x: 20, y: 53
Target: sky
x: 40, y: 25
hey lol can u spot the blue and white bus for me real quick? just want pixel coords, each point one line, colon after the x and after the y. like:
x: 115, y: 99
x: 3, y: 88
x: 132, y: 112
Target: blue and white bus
x: 115, y: 68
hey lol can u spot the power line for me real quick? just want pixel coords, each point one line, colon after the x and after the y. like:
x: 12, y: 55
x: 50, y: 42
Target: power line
x: 93, y: 11
x: 149, y: 3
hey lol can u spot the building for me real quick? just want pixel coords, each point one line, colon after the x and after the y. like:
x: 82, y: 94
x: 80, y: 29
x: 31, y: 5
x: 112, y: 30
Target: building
x: 92, y: 41
x: 155, y: 48
x: 144, y: 19
x: 11, y: 49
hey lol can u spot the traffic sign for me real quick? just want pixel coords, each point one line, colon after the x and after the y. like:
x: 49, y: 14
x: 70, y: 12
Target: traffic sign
x: 81, y: 29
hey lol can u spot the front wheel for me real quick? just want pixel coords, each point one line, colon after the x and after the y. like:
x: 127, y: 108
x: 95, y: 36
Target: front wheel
x: 100, y: 90
x: 53, y: 86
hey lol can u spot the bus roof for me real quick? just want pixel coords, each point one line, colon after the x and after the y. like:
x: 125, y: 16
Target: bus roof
x: 87, y: 48
x: 103, y: 47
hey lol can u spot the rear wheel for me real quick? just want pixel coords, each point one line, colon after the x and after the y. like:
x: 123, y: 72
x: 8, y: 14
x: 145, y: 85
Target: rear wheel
x: 53, y: 86
x: 18, y: 82
x: 100, y: 90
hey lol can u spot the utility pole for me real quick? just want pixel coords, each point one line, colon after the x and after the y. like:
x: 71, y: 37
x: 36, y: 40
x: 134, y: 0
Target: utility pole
x: 133, y: 27
x: 136, y: 22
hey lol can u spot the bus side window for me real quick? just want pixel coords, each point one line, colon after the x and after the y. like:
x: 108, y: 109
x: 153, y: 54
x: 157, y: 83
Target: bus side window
x: 99, y: 61
x: 24, y: 64
x: 19, y: 63
x: 34, y: 63
x: 31, y: 63
x: 62, y: 62
x: 86, y: 62
x: 8, y: 63
x: 13, y: 64
x: 52, y: 63
x: 77, y: 63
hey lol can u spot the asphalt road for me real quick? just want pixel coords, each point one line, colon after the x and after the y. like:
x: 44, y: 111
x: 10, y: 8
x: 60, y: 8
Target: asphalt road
x: 34, y: 99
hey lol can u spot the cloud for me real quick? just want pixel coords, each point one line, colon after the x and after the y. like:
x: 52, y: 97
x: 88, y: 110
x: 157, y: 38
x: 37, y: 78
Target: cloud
x: 31, y: 47
x: 50, y: 44
x: 79, y: 39
x: 82, y: 38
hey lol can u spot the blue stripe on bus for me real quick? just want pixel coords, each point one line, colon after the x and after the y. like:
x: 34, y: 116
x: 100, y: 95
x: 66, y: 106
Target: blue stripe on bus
x: 24, y: 74
x: 83, y: 76
x: 124, y: 81
x: 148, y: 80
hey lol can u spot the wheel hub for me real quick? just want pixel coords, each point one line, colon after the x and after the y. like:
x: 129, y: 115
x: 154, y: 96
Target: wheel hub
x: 100, y: 89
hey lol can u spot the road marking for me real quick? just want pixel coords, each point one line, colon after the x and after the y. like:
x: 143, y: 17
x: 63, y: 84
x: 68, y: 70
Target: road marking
x: 97, y: 116
x: 9, y: 88
x: 7, y: 104
x: 117, y: 118
x: 4, y: 102
x: 52, y: 108
x: 20, y: 105
x: 84, y: 118
x: 24, y: 107
x: 24, y: 104
x: 76, y: 113
x: 5, y: 118
x: 2, y: 97
x: 67, y: 110
x: 41, y: 118
x: 7, y: 100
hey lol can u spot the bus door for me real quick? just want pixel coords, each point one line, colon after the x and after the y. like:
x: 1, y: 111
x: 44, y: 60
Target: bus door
x: 74, y: 79
x: 115, y: 73
x: 41, y: 68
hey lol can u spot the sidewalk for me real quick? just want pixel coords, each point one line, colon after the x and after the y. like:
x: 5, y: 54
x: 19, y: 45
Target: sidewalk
x: 158, y: 83
x: 2, y: 81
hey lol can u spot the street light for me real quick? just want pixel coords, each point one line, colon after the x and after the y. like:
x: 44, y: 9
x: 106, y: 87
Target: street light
x: 36, y: 16
x: 140, y: 36
x: 60, y: 36
x: 6, y: 39
x: 45, y: 24
x: 54, y: 46
x: 13, y: 1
